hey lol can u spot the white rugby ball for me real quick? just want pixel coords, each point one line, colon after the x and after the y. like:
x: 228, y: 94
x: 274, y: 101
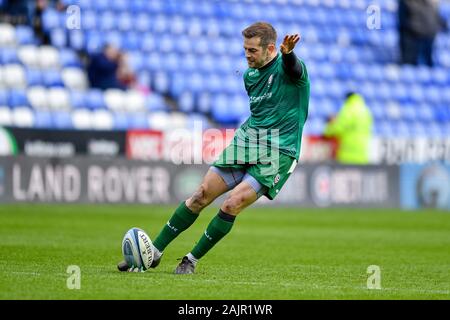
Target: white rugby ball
x: 137, y: 249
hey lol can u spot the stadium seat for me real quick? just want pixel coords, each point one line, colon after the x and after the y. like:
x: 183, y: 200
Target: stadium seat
x: 51, y: 19
x: 6, y: 118
x: 155, y: 102
x: 115, y: 99
x: 90, y: 20
x: 59, y: 38
x: 8, y: 33
x: 68, y: 58
x: 34, y: 77
x: 102, y: 120
x: 58, y: 99
x: 82, y: 119
x: 4, y: 97
x: 186, y: 101
x: 43, y: 119
x: 29, y: 55
x: 161, y: 82
x: 24, y: 35
x: 62, y: 120
x: 120, y: 120
x: 78, y: 99
x: 17, y: 98
x: 159, y: 121
x: 14, y: 76
x: 8, y: 55
x: 137, y: 120
x: 52, y: 78
x: 38, y: 98
x: 94, y: 99
x: 134, y: 101
x: 74, y: 79
x: 23, y: 117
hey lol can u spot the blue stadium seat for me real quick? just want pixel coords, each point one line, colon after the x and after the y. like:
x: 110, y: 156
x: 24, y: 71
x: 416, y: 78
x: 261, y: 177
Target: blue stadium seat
x: 137, y: 121
x: 186, y: 101
x: 155, y: 102
x: 4, y: 97
x: 94, y: 41
x: 196, y: 120
x: 148, y: 43
x: 125, y: 21
x: 104, y: 5
x: 90, y: 20
x: 77, y: 40
x: 178, y: 84
x: 17, y: 98
x: 107, y: 21
x: 114, y: 38
x: 195, y: 82
x: 78, y: 99
x: 51, y: 20
x: 136, y: 61
x: 62, y: 120
x: 95, y: 99
x: 43, y: 119
x: 220, y: 110
x: 34, y: 77
x: 8, y: 55
x: 120, y: 121
x: 24, y: 35
x: 408, y: 112
x: 384, y: 129
x: 59, y: 38
x: 161, y: 82
x: 68, y: 58
x: 204, y: 102
x: 442, y: 114
x: 424, y: 113
x: 52, y: 78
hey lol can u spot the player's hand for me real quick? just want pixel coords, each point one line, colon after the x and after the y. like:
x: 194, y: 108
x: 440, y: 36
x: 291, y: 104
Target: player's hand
x: 289, y: 43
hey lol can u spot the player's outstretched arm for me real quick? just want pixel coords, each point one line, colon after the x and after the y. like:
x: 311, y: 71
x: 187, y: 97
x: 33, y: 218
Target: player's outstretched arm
x: 291, y: 64
x: 289, y: 43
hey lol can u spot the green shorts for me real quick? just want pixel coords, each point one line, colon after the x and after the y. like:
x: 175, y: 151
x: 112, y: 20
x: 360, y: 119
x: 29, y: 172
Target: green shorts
x: 272, y: 172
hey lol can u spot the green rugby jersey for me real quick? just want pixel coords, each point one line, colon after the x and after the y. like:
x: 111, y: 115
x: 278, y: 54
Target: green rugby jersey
x: 276, y: 102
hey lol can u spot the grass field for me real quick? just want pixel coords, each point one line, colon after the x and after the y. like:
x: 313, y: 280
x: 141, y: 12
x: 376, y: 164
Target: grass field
x: 269, y: 254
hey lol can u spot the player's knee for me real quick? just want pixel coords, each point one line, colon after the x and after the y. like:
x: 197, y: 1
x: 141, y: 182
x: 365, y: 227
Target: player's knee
x: 233, y: 204
x: 199, y: 199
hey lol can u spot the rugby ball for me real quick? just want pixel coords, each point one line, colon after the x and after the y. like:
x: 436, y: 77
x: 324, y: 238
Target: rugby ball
x: 137, y: 249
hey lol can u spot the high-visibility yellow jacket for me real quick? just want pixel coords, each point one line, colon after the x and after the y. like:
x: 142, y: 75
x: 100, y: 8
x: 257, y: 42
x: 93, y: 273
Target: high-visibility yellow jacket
x: 353, y: 128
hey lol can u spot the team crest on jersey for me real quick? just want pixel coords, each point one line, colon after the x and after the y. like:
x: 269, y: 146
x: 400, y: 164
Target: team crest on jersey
x: 277, y: 178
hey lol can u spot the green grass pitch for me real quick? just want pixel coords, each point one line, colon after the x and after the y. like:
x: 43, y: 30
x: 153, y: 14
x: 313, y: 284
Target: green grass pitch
x: 270, y: 254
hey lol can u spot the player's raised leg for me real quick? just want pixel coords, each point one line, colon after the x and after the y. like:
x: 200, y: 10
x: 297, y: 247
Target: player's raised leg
x: 243, y: 195
x: 187, y: 212
x: 185, y: 215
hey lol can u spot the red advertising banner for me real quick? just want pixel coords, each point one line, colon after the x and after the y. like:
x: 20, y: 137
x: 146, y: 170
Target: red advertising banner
x: 318, y: 149
x: 178, y: 146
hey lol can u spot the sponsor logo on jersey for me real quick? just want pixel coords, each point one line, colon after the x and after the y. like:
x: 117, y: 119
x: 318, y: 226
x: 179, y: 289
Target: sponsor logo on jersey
x: 253, y: 73
x: 267, y: 95
x: 269, y: 82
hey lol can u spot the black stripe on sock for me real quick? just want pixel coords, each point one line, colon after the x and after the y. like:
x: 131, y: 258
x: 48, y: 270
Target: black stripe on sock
x: 226, y: 216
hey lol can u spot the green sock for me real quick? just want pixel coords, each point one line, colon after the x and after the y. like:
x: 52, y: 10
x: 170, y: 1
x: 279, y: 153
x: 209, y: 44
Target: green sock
x: 182, y: 219
x: 219, y: 226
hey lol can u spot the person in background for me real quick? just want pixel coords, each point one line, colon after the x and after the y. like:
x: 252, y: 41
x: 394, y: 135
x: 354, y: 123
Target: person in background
x: 419, y: 22
x: 103, y: 69
x: 352, y: 127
